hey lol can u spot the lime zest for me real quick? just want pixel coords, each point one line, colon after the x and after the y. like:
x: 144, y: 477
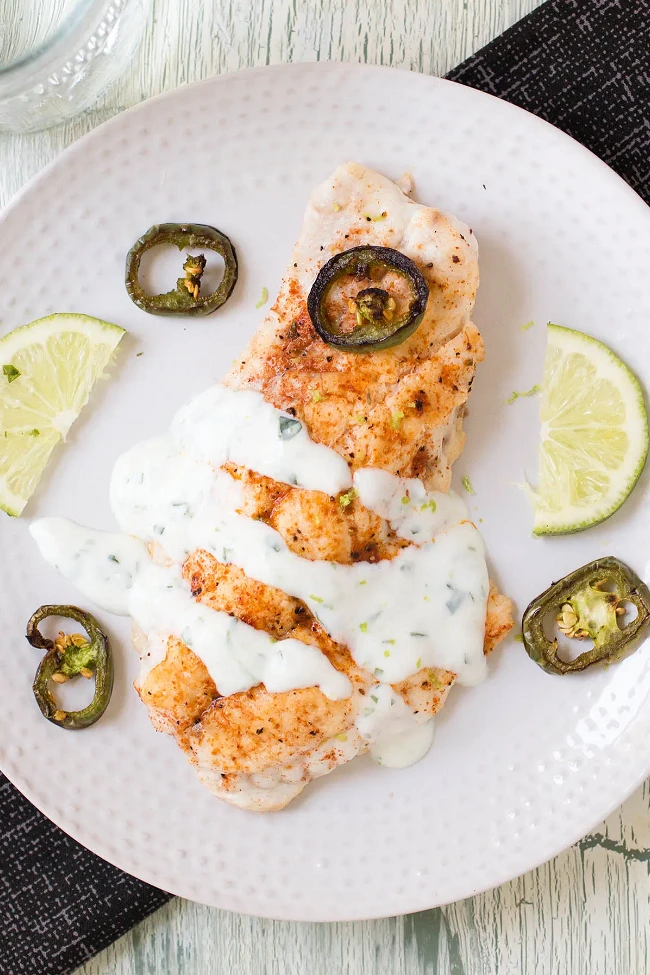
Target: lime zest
x: 529, y: 392
x: 348, y: 497
x: 264, y: 298
x: 467, y: 484
x: 524, y: 328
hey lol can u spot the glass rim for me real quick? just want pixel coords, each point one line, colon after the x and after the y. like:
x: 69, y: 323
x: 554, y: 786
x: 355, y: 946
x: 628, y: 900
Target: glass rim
x: 37, y: 65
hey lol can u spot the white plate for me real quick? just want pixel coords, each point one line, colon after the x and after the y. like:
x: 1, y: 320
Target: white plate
x: 523, y: 765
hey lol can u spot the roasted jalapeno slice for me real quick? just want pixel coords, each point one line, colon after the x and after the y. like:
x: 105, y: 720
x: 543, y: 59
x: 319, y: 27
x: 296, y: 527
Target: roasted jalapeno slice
x: 367, y: 298
x: 186, y: 298
x: 583, y: 608
x: 70, y: 656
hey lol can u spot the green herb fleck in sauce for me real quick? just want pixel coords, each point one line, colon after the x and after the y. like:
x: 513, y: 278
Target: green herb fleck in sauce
x: 429, y: 504
x: 396, y: 419
x: 34, y: 433
x: 363, y: 627
x: 289, y: 428
x: 524, y: 328
x: 317, y: 599
x: 406, y: 499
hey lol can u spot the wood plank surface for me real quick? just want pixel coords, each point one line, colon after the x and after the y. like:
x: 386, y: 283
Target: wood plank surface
x: 587, y: 911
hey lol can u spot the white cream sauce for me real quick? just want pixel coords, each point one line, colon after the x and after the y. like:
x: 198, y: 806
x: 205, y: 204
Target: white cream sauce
x: 102, y: 565
x: 424, y: 608
x: 414, y: 513
x: 397, y: 738
x: 116, y: 572
x: 224, y: 424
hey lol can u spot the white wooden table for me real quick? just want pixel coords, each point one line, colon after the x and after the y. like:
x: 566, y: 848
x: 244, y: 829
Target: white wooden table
x: 588, y: 911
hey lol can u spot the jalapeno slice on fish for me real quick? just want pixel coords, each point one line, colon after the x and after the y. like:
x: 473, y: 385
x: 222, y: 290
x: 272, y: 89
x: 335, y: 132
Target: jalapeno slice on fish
x: 367, y: 298
x: 186, y: 297
x: 71, y: 655
x: 583, y: 609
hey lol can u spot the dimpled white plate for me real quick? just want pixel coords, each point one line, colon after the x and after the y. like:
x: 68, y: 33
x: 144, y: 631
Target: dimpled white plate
x: 523, y: 765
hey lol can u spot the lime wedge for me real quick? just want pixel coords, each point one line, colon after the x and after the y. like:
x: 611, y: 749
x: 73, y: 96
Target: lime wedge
x: 594, y: 436
x: 47, y: 371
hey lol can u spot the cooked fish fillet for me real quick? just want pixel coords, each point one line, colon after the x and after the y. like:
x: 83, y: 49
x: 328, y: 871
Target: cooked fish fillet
x: 400, y: 410
x: 427, y: 378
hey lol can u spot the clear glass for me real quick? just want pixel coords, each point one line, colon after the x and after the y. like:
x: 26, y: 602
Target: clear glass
x: 57, y: 57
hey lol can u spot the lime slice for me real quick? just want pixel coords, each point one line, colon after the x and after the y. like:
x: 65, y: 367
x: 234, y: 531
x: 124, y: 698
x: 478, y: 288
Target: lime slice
x: 594, y: 436
x: 47, y: 371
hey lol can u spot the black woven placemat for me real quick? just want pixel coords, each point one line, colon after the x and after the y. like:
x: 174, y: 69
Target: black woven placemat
x: 583, y: 65
x: 59, y: 903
